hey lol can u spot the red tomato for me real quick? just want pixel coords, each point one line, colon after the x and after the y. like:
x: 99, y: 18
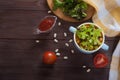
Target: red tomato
x: 100, y: 60
x: 49, y: 57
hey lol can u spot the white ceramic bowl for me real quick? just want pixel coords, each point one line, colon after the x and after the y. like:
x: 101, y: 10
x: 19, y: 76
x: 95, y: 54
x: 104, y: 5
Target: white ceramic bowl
x: 103, y: 45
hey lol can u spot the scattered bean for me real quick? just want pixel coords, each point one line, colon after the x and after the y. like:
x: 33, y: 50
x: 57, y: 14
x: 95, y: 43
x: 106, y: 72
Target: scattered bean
x: 37, y: 41
x: 65, y: 34
x: 84, y: 66
x: 49, y: 12
x: 65, y: 57
x: 55, y: 35
x: 57, y: 54
x: 55, y: 40
x: 56, y: 50
x: 88, y: 70
x: 59, y: 23
x: 66, y: 44
x: 70, y: 40
x: 72, y: 51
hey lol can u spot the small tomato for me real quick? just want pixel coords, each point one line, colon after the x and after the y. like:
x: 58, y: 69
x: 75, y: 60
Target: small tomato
x: 49, y: 57
x: 100, y: 60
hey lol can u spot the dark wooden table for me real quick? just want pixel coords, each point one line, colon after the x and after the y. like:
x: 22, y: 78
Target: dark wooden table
x: 21, y: 56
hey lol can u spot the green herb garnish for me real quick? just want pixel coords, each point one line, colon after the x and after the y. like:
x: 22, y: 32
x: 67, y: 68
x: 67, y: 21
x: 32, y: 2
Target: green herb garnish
x: 89, y: 37
x: 73, y: 8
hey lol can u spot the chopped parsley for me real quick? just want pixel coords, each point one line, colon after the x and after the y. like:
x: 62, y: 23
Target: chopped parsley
x: 89, y: 37
x: 73, y: 8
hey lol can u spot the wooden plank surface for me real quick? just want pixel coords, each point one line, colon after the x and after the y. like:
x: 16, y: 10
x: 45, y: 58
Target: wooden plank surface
x: 23, y: 4
x: 21, y: 56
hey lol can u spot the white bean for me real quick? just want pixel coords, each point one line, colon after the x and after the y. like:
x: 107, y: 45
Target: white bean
x: 37, y: 41
x: 67, y: 44
x: 55, y: 40
x: 55, y: 35
x: 57, y: 54
x: 88, y: 70
x: 49, y: 12
x: 70, y: 40
x: 65, y: 57
x: 65, y: 34
x: 84, y: 66
x: 72, y: 51
x: 56, y: 50
x: 59, y: 23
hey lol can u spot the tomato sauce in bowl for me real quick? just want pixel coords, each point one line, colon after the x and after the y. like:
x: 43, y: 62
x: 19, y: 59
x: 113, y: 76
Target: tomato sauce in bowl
x: 47, y: 24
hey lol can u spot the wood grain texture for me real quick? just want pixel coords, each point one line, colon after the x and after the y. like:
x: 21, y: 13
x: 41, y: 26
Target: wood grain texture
x: 21, y: 56
x: 24, y: 4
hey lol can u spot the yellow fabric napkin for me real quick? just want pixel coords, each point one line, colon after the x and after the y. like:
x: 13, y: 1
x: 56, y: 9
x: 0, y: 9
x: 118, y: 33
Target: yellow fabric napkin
x: 107, y: 15
x: 114, y: 73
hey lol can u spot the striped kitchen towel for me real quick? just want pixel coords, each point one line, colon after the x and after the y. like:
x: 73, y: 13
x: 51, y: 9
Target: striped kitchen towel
x: 114, y: 73
x: 107, y: 15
